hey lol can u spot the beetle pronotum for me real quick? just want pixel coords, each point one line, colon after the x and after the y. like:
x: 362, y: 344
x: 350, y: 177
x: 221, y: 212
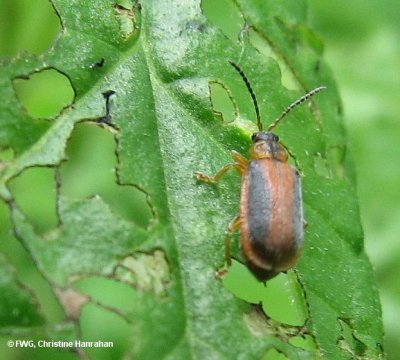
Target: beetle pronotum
x: 271, y: 209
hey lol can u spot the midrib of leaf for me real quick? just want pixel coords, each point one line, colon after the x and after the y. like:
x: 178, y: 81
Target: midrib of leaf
x: 154, y: 79
x: 189, y: 332
x: 165, y: 142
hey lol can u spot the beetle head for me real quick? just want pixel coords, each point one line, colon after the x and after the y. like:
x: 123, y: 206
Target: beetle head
x: 266, y: 145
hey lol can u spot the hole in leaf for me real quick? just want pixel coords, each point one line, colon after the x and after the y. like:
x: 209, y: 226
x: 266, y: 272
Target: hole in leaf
x: 6, y: 154
x: 306, y: 342
x: 26, y: 269
x: 99, y: 324
x: 274, y: 354
x: 34, y: 191
x: 124, y: 12
x: 5, y: 228
x: 287, y: 77
x: 225, y: 16
x: 281, y: 297
x: 90, y: 171
x: 18, y: 306
x: 222, y: 101
x: 242, y: 283
x: 44, y: 94
x: 108, y: 292
x: 283, y: 300
x: 28, y: 25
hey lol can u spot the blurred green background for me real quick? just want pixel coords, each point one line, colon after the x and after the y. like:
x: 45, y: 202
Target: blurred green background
x: 362, y: 46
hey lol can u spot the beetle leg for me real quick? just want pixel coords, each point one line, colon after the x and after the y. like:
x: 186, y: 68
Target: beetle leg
x: 239, y: 158
x: 215, y: 178
x: 233, y: 226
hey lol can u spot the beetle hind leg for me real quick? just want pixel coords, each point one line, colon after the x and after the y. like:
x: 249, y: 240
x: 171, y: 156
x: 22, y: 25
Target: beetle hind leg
x: 233, y: 226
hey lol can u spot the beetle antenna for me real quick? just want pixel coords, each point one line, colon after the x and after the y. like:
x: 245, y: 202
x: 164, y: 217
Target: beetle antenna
x: 252, y: 94
x: 294, y: 104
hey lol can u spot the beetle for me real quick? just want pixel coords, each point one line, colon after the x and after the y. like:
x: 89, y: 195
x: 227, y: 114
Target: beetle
x: 271, y: 220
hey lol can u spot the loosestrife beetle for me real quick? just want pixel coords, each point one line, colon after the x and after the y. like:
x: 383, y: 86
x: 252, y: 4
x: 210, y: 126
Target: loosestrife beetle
x: 271, y: 218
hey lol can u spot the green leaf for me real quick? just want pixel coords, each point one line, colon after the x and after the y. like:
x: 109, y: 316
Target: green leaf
x: 161, y: 58
x: 18, y: 306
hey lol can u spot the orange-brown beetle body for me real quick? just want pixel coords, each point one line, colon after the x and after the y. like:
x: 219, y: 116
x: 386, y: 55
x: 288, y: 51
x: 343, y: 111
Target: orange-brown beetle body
x: 271, y: 209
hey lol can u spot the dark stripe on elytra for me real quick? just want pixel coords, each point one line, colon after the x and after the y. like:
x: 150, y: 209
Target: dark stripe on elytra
x: 259, y: 209
x: 298, y: 220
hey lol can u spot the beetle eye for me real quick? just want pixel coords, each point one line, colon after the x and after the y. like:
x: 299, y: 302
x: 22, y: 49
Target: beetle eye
x: 253, y: 137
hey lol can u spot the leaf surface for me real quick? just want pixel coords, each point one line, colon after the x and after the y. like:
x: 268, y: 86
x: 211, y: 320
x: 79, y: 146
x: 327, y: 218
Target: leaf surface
x: 160, y: 59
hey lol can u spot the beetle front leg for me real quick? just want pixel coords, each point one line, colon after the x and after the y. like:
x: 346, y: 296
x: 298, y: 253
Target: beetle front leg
x: 239, y: 158
x: 215, y: 178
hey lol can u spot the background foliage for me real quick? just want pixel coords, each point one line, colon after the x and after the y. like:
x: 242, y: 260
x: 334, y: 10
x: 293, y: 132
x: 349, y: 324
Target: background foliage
x: 84, y: 135
x: 363, y: 48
